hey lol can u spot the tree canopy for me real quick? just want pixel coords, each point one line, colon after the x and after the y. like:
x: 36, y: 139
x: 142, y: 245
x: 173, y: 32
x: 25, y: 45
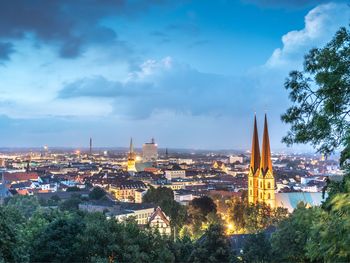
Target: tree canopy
x: 321, y: 98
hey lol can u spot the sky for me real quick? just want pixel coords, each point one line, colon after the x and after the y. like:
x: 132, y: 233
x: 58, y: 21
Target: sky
x: 191, y: 74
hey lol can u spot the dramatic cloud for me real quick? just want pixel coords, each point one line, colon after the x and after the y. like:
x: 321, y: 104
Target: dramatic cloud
x: 321, y: 23
x: 71, y: 25
x: 166, y: 86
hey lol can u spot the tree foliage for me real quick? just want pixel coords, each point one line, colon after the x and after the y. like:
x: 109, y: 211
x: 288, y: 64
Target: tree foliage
x: 213, y: 246
x: 320, y: 116
x: 97, y: 193
x: 321, y: 98
x: 257, y: 248
x: 252, y: 218
x: 164, y: 197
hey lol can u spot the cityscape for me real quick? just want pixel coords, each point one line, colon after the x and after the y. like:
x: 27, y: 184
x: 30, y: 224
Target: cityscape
x: 161, y: 131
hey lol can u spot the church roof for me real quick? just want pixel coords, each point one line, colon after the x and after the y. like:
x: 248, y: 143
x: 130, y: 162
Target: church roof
x: 255, y: 157
x: 266, y: 163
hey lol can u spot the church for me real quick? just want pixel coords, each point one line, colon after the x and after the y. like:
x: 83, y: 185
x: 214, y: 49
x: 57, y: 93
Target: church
x: 261, y: 182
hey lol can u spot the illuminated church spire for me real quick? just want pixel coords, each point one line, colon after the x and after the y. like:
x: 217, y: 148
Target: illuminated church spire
x: 254, y: 167
x: 266, y: 163
x: 255, y: 157
x: 131, y: 158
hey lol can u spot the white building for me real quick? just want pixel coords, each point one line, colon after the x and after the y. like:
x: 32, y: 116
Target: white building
x: 150, y: 151
x: 175, y: 173
x: 236, y: 158
x: 159, y: 220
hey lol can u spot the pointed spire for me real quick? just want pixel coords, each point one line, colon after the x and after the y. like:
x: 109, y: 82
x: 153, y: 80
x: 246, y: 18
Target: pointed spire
x: 255, y: 158
x: 266, y: 163
x: 131, y: 149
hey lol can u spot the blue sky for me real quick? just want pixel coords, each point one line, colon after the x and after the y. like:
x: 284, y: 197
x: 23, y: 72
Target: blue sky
x: 189, y: 73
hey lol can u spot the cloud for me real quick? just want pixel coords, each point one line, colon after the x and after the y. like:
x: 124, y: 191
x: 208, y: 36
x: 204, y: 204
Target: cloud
x: 286, y: 3
x: 166, y: 85
x: 321, y: 23
x: 6, y: 49
x: 90, y: 87
x: 69, y: 25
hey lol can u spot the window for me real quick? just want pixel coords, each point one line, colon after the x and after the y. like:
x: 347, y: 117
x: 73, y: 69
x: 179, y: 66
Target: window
x: 269, y: 196
x: 261, y: 195
x: 260, y: 184
x: 250, y: 182
x: 269, y: 185
x: 251, y: 191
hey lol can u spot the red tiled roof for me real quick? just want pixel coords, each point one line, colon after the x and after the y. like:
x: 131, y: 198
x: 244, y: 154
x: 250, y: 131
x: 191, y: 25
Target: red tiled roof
x: 20, y: 176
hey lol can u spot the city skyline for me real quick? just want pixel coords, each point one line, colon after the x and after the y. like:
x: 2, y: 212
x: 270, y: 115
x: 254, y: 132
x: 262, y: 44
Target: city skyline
x: 146, y: 69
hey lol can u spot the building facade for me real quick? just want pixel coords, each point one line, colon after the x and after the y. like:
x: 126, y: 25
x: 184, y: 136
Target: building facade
x: 150, y: 151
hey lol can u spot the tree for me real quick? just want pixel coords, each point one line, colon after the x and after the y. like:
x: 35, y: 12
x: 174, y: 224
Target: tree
x: 57, y: 241
x: 25, y: 204
x: 158, y: 195
x: 257, y: 248
x: 182, y: 249
x: 71, y: 204
x: 164, y: 197
x: 329, y: 236
x: 97, y: 193
x: 204, y: 205
x: 212, y: 247
x: 320, y: 116
x: 321, y: 98
x: 11, y: 243
x: 252, y: 218
x: 290, y: 240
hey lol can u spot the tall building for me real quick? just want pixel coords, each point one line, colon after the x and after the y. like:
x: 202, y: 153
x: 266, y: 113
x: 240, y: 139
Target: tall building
x: 261, y: 182
x: 150, y: 151
x: 254, y: 167
x: 131, y: 158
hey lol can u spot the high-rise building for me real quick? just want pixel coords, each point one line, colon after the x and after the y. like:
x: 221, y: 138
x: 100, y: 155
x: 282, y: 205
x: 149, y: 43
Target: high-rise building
x: 150, y: 151
x: 261, y: 182
x: 131, y: 158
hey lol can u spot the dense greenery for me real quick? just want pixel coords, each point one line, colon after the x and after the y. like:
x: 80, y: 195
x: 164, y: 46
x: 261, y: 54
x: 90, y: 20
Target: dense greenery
x: 33, y: 233
x: 252, y: 218
x: 164, y: 197
x: 321, y: 97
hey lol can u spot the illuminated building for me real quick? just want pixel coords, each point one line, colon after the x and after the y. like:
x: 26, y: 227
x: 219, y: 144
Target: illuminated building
x: 254, y: 167
x: 160, y: 221
x: 150, y: 151
x: 131, y: 158
x: 261, y: 182
x: 125, y: 191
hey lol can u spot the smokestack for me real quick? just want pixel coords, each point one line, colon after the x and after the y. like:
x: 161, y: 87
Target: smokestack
x: 90, y: 146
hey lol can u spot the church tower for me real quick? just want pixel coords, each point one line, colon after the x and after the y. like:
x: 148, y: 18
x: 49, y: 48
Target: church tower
x: 131, y: 158
x: 266, y: 180
x: 254, y: 167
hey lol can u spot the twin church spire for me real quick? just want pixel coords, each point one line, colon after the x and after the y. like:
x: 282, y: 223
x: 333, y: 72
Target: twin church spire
x: 261, y: 182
